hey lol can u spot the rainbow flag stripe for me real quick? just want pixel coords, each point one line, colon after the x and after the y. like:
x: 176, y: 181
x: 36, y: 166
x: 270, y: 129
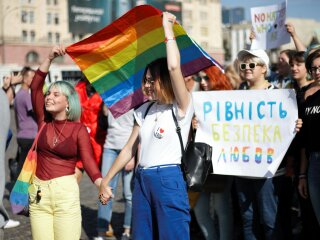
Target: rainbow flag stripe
x: 114, y: 59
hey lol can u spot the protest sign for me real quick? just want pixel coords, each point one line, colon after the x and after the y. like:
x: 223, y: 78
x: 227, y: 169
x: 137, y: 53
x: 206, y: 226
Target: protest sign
x: 249, y: 131
x: 269, y: 26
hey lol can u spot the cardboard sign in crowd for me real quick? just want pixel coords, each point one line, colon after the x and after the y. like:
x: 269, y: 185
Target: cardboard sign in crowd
x: 249, y: 131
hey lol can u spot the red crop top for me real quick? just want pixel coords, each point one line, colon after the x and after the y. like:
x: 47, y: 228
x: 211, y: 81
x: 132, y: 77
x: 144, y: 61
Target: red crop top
x: 73, y: 143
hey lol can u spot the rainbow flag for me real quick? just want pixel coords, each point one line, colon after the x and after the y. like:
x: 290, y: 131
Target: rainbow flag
x: 114, y: 59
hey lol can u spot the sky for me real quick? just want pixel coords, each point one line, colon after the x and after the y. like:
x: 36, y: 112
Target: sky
x: 295, y: 8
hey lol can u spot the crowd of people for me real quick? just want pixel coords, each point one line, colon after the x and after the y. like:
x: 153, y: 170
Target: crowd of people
x: 142, y: 146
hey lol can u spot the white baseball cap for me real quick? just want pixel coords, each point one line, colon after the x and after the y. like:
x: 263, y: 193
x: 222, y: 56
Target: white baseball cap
x: 257, y: 53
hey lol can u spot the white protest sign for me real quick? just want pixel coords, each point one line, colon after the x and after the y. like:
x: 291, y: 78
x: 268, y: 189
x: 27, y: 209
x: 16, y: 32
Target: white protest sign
x: 249, y: 130
x: 269, y: 26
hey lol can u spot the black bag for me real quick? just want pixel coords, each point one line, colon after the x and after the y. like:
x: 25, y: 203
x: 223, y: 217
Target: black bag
x: 196, y: 161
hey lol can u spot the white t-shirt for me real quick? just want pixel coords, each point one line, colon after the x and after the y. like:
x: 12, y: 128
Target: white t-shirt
x: 119, y: 130
x: 159, y: 140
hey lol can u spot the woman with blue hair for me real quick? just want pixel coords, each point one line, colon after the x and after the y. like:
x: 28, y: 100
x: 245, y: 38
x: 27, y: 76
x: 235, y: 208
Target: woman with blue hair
x: 54, y: 195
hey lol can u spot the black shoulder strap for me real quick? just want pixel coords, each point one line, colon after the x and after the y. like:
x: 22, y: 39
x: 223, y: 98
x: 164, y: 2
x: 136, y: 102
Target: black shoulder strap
x: 148, y: 108
x: 178, y: 130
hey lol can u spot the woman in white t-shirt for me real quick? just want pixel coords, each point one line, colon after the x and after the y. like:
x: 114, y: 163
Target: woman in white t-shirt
x: 160, y: 200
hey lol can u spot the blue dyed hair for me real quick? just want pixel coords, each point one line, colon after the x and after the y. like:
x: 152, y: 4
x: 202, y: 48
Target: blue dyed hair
x: 71, y: 94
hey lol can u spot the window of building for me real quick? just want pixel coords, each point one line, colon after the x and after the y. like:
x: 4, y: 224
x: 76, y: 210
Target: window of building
x: 32, y: 36
x: 55, y: 2
x: 24, y: 35
x: 56, y: 19
x: 203, y: 16
x: 32, y: 57
x: 24, y: 16
x: 203, y: 2
x: 50, y: 37
x: 187, y: 14
x: 57, y: 37
x: 49, y: 16
x: 204, y: 31
x: 31, y: 17
x: 48, y: 2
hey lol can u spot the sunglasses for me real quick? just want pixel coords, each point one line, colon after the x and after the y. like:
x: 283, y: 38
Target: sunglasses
x: 199, y: 78
x: 149, y: 81
x: 315, y: 69
x: 252, y: 65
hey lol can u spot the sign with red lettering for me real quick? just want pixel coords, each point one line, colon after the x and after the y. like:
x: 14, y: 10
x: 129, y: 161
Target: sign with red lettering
x: 269, y: 26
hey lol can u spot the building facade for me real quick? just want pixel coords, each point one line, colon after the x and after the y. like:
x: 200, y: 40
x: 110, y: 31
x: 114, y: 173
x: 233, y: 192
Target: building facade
x: 29, y: 28
x: 202, y: 21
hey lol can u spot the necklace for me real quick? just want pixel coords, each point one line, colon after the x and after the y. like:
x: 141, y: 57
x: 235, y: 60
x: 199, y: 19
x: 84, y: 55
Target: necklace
x: 56, y: 136
x: 161, y: 112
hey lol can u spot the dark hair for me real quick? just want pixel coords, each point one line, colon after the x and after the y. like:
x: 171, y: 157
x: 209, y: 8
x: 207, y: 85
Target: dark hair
x: 297, y: 56
x: 289, y: 53
x: 159, y: 70
x: 25, y: 70
x: 310, y: 58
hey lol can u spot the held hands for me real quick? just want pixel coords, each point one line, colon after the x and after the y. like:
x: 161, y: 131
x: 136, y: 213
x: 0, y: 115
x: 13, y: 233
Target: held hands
x: 57, y: 51
x: 105, y: 193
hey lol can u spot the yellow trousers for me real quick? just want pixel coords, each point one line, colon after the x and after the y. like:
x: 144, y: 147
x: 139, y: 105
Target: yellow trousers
x: 55, y: 212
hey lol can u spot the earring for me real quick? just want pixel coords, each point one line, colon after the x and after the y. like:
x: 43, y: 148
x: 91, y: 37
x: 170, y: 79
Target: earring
x: 67, y: 110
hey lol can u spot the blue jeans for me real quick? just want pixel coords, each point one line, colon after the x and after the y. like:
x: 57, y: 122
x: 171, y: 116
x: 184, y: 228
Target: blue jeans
x: 314, y: 182
x: 259, y: 205
x: 105, y: 211
x: 160, y: 204
x: 221, y: 207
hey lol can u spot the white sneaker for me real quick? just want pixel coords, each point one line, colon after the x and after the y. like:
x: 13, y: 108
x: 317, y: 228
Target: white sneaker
x: 98, y: 238
x: 12, y: 223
